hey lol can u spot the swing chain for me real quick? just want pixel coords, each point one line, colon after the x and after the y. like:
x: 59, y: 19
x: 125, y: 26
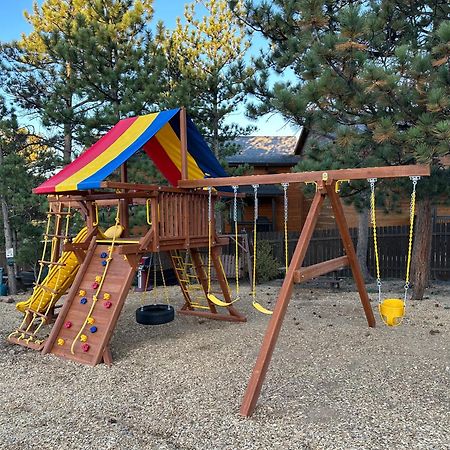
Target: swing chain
x: 372, y: 182
x: 235, y: 189
x: 412, y: 207
x: 285, y: 187
x: 255, y: 190
x: 209, y: 203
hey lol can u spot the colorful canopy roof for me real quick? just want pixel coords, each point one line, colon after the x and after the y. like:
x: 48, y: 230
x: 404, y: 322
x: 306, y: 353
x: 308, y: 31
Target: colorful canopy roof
x: 158, y: 134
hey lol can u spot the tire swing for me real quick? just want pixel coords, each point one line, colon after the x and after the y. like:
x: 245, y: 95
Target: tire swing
x: 156, y: 313
x: 392, y: 310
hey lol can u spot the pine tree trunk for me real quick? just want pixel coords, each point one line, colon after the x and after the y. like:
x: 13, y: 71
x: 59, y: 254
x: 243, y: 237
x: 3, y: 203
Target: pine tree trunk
x: 8, y: 239
x: 67, y: 156
x: 421, y: 255
x: 8, y: 244
x: 363, y: 242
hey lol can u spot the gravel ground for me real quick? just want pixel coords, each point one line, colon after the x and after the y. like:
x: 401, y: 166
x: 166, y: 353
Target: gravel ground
x: 333, y: 383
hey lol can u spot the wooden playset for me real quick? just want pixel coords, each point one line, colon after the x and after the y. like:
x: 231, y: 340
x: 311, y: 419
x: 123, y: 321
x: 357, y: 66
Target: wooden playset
x: 97, y: 267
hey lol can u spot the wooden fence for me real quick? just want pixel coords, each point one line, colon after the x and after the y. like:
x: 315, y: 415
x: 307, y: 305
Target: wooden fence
x: 392, y: 241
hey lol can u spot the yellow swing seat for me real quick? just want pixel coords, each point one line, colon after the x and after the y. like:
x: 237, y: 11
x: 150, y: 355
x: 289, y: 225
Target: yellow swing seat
x: 212, y: 298
x: 261, y: 308
x: 392, y: 311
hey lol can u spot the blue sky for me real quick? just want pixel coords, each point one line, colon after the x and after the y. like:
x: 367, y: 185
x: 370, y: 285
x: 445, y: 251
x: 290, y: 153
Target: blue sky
x: 13, y: 23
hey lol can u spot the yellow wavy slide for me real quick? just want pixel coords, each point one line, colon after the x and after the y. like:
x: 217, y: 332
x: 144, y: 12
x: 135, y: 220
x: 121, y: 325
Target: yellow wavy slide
x: 57, y: 281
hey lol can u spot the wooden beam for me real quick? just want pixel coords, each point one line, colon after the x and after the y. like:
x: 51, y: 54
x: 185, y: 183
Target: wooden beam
x: 273, y: 330
x: 341, y: 222
x: 183, y: 139
x: 307, y: 273
x: 303, y: 177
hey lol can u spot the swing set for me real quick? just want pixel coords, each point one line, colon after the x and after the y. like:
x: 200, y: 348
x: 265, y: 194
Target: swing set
x: 327, y: 186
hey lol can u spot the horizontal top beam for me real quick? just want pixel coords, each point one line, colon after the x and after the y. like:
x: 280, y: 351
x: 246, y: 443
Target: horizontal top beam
x: 307, y: 177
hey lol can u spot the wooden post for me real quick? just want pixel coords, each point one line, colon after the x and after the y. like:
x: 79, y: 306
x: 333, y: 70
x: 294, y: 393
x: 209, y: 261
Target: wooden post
x: 123, y: 203
x: 183, y: 139
x: 273, y: 330
x: 350, y: 251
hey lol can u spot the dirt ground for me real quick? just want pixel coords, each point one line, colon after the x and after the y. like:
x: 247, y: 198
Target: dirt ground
x: 333, y: 382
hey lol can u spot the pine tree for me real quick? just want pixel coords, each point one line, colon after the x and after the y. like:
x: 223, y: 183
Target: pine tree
x: 23, y: 161
x: 206, y: 68
x: 375, y: 73
x: 118, y: 65
x: 84, y: 66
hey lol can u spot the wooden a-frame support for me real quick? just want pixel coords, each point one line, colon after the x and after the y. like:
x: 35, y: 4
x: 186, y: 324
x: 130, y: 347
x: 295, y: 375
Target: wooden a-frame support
x: 296, y: 274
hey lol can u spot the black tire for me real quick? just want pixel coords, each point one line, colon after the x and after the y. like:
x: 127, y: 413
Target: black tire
x: 155, y: 314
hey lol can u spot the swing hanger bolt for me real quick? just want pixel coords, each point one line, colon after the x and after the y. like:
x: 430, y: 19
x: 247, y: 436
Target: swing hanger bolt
x: 325, y: 176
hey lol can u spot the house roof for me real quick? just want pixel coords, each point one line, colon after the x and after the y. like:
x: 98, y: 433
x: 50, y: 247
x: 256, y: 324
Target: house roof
x: 158, y: 134
x: 265, y: 151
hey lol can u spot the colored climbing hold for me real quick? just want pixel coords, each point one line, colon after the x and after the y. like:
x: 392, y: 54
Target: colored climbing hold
x: 83, y: 301
x: 93, y: 329
x: 85, y: 348
x: 98, y: 278
x: 106, y: 296
x: 107, y: 305
x: 95, y: 285
x: 83, y: 338
x: 103, y: 255
x: 82, y: 293
x: 90, y: 320
x: 68, y: 324
x: 61, y: 341
x: 104, y: 263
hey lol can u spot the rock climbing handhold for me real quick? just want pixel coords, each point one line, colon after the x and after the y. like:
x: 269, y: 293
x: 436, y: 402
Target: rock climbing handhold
x: 98, y: 278
x: 68, y: 324
x: 61, y: 341
x: 83, y: 338
x: 85, y: 348
x: 103, y: 255
x: 104, y: 262
x: 107, y: 305
x: 106, y: 296
x: 93, y: 329
x: 82, y: 293
x: 83, y: 301
x: 95, y: 285
x: 90, y: 320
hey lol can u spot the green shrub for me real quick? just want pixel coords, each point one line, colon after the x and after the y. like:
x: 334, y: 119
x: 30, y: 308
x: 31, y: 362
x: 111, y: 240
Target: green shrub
x: 267, y: 267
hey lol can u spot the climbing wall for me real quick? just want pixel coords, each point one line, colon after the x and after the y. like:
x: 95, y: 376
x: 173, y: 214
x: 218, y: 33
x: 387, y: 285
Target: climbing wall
x: 87, y: 322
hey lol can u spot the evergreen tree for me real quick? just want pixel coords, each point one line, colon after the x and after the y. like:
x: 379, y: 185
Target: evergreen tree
x: 375, y: 73
x: 23, y: 161
x: 206, y: 69
x: 84, y: 66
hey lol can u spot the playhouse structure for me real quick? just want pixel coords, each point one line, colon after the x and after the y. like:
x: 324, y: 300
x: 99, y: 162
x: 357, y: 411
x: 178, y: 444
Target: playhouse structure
x: 97, y: 266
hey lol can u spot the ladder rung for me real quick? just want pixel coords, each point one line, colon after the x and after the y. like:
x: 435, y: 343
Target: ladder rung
x: 36, y: 313
x: 46, y: 288
x: 51, y: 263
x: 61, y: 213
x: 62, y: 236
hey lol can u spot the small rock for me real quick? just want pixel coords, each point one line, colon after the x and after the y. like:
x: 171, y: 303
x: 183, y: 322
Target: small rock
x: 10, y: 300
x: 434, y: 332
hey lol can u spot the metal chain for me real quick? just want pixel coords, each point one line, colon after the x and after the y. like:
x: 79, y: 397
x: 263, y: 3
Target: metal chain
x: 255, y: 190
x: 236, y: 244
x: 235, y: 189
x: 255, y: 218
x: 286, y: 209
x: 372, y: 182
x: 412, y: 207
